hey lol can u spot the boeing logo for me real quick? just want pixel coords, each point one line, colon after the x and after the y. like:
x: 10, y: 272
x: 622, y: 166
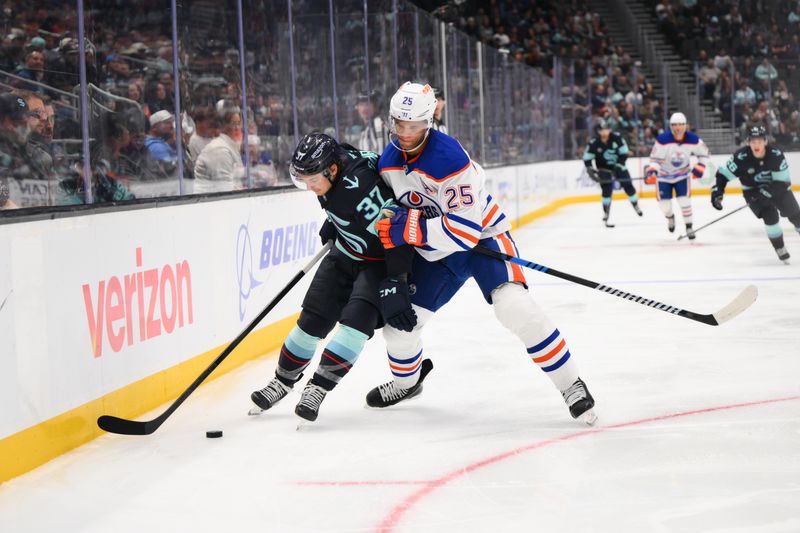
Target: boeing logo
x: 278, y: 245
x: 244, y: 268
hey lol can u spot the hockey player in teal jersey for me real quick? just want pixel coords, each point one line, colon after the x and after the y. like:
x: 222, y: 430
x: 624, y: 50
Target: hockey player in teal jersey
x: 346, y: 285
x: 609, y: 151
x: 766, y: 186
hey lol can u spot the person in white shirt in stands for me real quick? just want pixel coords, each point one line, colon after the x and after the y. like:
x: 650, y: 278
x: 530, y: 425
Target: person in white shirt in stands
x: 219, y: 166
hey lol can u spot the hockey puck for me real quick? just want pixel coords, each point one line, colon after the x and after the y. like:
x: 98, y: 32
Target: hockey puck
x: 214, y: 434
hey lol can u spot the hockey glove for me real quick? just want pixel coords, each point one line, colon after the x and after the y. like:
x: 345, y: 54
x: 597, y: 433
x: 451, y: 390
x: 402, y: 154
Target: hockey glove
x: 698, y: 171
x: 405, y: 226
x: 327, y: 232
x: 396, y: 304
x: 716, y: 198
x: 593, y: 174
x: 650, y: 178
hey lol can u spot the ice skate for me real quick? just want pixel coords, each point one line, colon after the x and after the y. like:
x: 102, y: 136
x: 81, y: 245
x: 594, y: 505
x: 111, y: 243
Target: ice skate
x: 690, y: 232
x: 671, y: 223
x: 390, y: 394
x: 636, y: 208
x: 265, y: 398
x: 580, y: 402
x: 783, y: 254
x: 310, y: 400
x: 606, y: 214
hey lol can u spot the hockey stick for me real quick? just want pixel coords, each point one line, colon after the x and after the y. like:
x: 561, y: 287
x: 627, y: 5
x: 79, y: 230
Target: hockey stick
x: 123, y: 426
x: 606, y: 172
x: 736, y: 306
x: 715, y: 220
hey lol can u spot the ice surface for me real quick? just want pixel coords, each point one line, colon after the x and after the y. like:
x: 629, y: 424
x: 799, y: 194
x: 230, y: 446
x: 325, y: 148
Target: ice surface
x: 699, y: 426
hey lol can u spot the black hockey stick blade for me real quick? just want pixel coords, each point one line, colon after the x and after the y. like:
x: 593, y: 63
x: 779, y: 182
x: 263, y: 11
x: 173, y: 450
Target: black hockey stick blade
x: 123, y: 426
x: 744, y: 300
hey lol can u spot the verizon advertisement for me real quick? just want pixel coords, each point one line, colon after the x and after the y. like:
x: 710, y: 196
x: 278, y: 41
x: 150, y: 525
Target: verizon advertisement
x: 93, y: 303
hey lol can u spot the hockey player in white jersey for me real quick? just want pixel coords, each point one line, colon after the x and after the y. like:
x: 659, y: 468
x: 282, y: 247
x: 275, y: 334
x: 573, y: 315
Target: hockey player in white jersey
x: 446, y: 212
x: 670, y: 168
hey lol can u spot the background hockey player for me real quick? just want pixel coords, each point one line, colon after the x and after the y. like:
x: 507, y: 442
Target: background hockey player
x: 345, y: 287
x: 609, y: 152
x: 446, y: 212
x: 766, y: 186
x: 670, y: 166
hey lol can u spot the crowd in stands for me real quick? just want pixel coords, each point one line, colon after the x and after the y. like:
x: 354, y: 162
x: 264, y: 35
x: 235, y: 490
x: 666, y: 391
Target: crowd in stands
x: 607, y: 83
x: 747, y: 56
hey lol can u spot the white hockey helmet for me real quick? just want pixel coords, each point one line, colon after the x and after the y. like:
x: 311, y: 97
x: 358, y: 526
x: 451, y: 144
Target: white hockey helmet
x: 413, y: 102
x: 677, y: 118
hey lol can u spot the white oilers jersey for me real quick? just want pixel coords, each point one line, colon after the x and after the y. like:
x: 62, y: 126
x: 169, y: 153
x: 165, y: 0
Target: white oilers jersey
x: 448, y: 187
x: 673, y: 159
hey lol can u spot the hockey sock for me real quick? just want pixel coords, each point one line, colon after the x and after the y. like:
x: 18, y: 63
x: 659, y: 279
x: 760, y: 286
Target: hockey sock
x: 606, y: 207
x: 634, y: 198
x: 518, y: 312
x: 775, y: 234
x: 339, y: 356
x: 686, y: 209
x: 405, y: 371
x: 553, y: 357
x: 296, y: 353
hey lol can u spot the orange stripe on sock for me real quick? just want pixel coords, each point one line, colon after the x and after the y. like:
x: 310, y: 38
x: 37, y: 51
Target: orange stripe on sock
x: 549, y: 355
x: 406, y: 368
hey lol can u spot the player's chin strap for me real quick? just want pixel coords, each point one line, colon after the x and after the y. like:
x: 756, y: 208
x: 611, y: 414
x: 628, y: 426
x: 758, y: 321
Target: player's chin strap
x: 735, y: 307
x: 410, y: 150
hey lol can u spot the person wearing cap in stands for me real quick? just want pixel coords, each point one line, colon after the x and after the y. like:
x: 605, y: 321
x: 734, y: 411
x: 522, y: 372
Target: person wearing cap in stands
x: 161, y: 141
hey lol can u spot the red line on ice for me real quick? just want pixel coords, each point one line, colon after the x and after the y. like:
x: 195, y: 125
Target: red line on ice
x: 394, y: 516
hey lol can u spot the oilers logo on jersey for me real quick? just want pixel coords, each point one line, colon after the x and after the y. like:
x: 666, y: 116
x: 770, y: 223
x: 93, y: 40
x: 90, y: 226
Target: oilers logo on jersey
x: 679, y: 160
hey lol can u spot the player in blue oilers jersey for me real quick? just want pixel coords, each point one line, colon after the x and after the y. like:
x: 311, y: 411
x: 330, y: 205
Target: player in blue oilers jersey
x: 345, y: 287
x: 609, y: 151
x: 447, y: 211
x: 766, y: 186
x: 671, y: 167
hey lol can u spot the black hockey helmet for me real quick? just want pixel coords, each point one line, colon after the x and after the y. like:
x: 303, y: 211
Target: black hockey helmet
x: 315, y: 153
x: 756, y: 131
x: 602, y: 124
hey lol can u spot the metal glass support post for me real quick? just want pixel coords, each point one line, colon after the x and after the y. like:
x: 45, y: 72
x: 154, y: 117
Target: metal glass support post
x: 84, y: 108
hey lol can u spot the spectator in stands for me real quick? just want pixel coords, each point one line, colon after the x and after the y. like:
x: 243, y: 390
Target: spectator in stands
x: 374, y: 132
x: 117, y: 72
x: 13, y: 51
x: 438, y: 113
x: 219, y: 166
x: 64, y: 72
x: 744, y: 94
x: 41, y: 162
x: 206, y: 125
x: 156, y: 97
x: 33, y: 70
x: 161, y: 141
x: 262, y: 170
x: 723, y: 61
x: 708, y: 74
x: 109, y: 157
x: 766, y: 71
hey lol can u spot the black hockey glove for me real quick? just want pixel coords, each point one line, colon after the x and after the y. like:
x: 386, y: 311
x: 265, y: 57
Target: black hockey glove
x: 593, y: 174
x: 327, y: 232
x: 716, y: 198
x: 396, y: 304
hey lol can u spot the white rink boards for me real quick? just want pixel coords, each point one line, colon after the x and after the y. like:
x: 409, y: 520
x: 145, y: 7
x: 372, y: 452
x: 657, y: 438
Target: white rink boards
x: 699, y: 426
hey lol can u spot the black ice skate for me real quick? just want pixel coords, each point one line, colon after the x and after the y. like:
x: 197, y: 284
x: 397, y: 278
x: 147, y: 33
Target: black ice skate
x: 783, y: 254
x: 690, y: 232
x: 606, y: 214
x: 671, y: 223
x: 308, y: 406
x: 265, y: 398
x: 636, y: 208
x: 580, y: 402
x: 390, y: 394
